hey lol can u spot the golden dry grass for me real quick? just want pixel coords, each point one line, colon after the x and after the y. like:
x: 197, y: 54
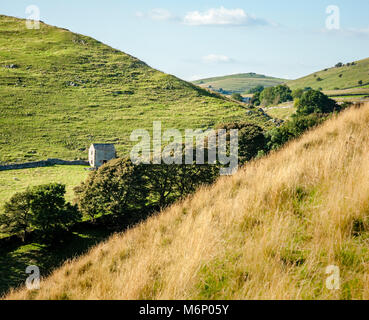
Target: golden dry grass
x: 268, y: 232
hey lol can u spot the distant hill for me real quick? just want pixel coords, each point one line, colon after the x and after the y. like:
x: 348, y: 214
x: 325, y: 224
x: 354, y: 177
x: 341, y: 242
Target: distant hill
x: 268, y: 232
x: 240, y: 83
x: 61, y: 91
x: 336, y: 78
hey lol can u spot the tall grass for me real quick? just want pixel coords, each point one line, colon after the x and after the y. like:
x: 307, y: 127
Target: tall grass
x: 268, y: 232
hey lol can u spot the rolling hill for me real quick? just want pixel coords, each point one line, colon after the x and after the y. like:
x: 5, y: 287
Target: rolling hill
x: 345, y: 77
x: 240, y: 83
x: 61, y: 91
x: 268, y: 232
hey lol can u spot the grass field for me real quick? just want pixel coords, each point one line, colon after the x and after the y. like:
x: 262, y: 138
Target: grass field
x: 269, y: 232
x: 12, y: 181
x: 67, y: 90
x: 346, y: 77
x: 241, y: 83
x: 283, y: 111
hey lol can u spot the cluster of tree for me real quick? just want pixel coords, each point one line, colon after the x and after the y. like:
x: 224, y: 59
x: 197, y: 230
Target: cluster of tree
x: 272, y: 95
x: 313, y: 107
x: 42, y: 208
x: 340, y: 64
x: 126, y: 190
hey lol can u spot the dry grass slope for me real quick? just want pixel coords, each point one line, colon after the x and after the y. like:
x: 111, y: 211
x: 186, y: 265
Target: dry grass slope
x: 269, y: 232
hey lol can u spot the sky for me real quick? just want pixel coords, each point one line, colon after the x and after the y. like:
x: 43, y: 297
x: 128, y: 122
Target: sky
x: 198, y: 39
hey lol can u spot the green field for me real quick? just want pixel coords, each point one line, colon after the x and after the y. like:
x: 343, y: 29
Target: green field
x: 346, y: 77
x: 67, y: 90
x: 12, y: 181
x: 281, y: 112
x: 241, y: 83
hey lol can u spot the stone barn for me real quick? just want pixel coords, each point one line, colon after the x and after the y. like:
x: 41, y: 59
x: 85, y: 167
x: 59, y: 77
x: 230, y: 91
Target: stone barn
x: 101, y: 153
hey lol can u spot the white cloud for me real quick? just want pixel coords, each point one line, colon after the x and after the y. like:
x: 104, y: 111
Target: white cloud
x: 222, y: 17
x: 157, y: 14
x: 216, y: 58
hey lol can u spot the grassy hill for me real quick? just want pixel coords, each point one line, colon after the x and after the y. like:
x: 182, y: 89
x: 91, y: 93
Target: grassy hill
x: 345, y: 77
x: 269, y: 232
x: 61, y: 91
x: 241, y: 83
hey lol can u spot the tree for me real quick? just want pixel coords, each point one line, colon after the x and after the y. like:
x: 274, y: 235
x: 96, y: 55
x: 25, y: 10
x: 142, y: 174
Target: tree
x: 314, y: 101
x: 258, y: 88
x: 237, y: 96
x: 118, y: 188
x: 17, y: 217
x: 339, y: 65
x: 251, y: 139
x: 255, y: 100
x: 51, y: 213
x: 360, y: 82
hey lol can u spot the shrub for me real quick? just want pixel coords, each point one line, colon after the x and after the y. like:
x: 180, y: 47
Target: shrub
x: 236, y: 96
x: 360, y: 82
x: 313, y: 101
x: 255, y: 100
x: 277, y: 137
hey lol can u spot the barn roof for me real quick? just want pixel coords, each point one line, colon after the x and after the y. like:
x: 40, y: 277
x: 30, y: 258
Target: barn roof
x: 103, y: 146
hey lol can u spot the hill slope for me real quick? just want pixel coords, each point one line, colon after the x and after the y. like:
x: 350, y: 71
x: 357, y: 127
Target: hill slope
x: 269, y: 232
x: 241, y: 83
x: 335, y: 78
x: 60, y: 91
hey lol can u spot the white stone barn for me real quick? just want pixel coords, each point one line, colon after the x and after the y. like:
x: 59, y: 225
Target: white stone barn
x: 100, y: 153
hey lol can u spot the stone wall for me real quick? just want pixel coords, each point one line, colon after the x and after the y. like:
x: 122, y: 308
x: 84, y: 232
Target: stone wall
x: 42, y: 163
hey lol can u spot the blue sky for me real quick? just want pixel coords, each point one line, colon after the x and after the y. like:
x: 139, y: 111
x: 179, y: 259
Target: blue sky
x: 196, y: 39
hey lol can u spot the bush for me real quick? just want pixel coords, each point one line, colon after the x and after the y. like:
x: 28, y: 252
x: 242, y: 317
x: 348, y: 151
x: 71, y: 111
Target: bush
x: 313, y: 101
x: 255, y: 100
x: 277, y: 137
x: 236, y: 96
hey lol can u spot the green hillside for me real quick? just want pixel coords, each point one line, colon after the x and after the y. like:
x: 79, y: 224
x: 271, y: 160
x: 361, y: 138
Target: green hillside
x: 335, y: 78
x: 60, y: 91
x: 241, y: 83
